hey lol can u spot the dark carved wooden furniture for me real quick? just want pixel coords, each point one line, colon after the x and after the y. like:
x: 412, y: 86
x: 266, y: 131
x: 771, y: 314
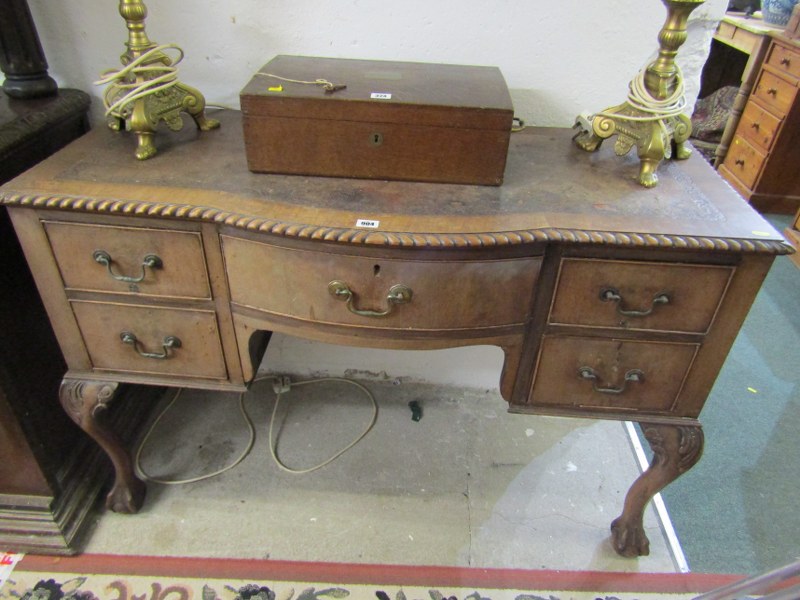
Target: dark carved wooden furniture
x: 609, y: 300
x: 50, y: 475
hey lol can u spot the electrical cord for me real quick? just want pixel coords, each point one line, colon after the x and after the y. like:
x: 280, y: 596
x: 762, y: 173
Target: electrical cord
x: 273, y: 447
x: 280, y: 386
x: 137, y: 465
x: 639, y: 98
x: 151, y: 72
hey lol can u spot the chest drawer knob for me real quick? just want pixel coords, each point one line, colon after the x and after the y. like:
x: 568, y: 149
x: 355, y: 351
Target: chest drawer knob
x: 612, y: 295
x: 151, y: 261
x: 631, y: 376
x: 169, y: 342
x: 398, y: 294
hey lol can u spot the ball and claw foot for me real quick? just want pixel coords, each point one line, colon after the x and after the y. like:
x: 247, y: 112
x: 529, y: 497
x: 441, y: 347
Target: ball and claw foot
x: 629, y: 539
x: 126, y: 498
x: 676, y: 449
x: 85, y: 401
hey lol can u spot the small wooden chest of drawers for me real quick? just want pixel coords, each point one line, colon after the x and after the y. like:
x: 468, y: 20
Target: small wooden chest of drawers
x: 762, y: 160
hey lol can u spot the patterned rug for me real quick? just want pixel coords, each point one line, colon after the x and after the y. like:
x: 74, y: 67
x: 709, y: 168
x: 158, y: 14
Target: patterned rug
x: 107, y: 577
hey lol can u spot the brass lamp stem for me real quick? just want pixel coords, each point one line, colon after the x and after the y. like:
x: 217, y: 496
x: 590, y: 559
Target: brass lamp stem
x: 135, y: 12
x: 651, y: 118
x: 662, y: 75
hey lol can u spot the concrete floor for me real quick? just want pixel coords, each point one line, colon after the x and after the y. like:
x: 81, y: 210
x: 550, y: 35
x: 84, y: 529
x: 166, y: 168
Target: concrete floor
x: 467, y: 485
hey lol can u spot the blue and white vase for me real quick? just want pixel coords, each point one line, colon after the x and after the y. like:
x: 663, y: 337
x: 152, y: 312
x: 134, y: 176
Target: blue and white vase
x: 777, y: 12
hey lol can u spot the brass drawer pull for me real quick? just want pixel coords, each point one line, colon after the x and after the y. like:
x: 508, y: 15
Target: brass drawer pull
x: 739, y: 161
x: 633, y: 375
x: 772, y: 91
x: 398, y: 294
x: 169, y: 342
x: 612, y: 295
x: 151, y: 261
x: 786, y: 61
x: 755, y: 125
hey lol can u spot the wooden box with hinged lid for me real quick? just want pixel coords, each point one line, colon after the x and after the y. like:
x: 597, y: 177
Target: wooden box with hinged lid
x: 393, y: 120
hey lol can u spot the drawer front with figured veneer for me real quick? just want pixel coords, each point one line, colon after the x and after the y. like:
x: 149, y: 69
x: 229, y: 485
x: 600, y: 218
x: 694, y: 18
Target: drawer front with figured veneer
x: 151, y: 340
x: 611, y: 374
x: 327, y: 287
x: 130, y: 260
x: 638, y: 295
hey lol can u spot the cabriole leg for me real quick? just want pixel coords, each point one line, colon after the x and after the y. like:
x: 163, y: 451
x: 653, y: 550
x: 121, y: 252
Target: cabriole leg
x: 676, y: 449
x: 84, y: 401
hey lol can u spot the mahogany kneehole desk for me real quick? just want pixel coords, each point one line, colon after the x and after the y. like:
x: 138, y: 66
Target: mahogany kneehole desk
x: 609, y: 300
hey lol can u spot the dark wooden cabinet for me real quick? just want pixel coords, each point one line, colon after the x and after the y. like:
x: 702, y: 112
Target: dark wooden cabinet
x: 50, y: 475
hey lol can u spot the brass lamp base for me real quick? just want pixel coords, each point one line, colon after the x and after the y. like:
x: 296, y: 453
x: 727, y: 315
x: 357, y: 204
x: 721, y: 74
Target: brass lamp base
x: 653, y: 138
x: 146, y: 90
x: 651, y: 118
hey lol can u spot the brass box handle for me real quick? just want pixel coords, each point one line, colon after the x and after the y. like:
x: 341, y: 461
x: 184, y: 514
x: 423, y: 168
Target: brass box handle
x: 631, y: 376
x: 612, y: 295
x: 151, y: 261
x: 170, y: 341
x: 398, y: 294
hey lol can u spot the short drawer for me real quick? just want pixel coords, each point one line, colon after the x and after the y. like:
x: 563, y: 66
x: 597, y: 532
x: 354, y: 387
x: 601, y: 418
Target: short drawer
x: 611, y: 374
x: 758, y: 126
x: 130, y: 260
x: 775, y: 92
x: 744, y: 161
x: 638, y: 295
x: 151, y: 340
x: 326, y: 287
x: 784, y: 58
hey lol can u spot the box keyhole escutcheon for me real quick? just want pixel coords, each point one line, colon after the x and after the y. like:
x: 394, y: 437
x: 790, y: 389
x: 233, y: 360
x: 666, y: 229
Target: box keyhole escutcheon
x: 376, y: 139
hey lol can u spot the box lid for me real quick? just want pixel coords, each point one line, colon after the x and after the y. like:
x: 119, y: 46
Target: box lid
x: 381, y: 91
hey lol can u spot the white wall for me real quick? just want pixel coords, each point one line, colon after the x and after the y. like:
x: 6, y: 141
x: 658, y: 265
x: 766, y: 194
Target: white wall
x: 559, y: 58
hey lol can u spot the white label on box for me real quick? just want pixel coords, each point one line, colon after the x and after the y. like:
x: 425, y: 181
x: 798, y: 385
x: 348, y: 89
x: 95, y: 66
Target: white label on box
x: 380, y: 96
x: 369, y: 223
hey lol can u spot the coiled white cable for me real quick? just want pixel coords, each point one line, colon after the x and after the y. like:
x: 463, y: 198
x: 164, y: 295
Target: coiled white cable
x: 152, y: 72
x: 280, y: 385
x: 142, y: 474
x: 639, y: 98
x: 273, y: 447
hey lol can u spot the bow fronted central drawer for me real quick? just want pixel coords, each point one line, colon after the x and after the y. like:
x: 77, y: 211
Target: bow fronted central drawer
x: 342, y: 289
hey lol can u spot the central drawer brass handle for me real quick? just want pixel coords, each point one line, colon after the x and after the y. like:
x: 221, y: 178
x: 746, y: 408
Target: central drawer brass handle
x: 169, y: 342
x: 786, y: 61
x: 772, y: 91
x: 398, y: 294
x: 612, y: 295
x: 755, y: 125
x: 633, y: 375
x: 151, y: 261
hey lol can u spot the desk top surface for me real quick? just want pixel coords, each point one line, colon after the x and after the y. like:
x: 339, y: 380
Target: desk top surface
x: 749, y: 23
x: 553, y: 191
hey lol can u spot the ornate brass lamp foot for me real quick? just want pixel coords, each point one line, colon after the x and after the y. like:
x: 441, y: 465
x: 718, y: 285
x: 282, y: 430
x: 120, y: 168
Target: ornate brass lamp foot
x: 651, y: 119
x: 146, y: 90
